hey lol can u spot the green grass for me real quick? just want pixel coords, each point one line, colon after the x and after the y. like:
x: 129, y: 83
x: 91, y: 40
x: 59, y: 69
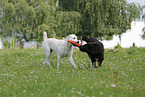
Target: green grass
x: 122, y: 74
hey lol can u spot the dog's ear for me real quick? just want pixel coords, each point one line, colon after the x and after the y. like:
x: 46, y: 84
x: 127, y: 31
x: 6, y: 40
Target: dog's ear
x: 67, y: 37
x: 83, y: 37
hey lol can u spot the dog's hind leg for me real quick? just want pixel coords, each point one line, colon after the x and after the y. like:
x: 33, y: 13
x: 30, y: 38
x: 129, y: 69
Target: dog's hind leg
x: 58, y: 61
x: 93, y: 61
x: 48, y: 53
x: 99, y: 63
x: 94, y: 64
x: 72, y: 61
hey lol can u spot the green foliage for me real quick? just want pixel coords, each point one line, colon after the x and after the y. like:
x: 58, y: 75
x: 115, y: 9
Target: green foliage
x: 24, y: 19
x: 10, y: 11
x: 98, y: 18
x: 143, y: 30
x: 23, y: 74
x: 6, y: 44
x: 68, y: 22
x: 41, y: 29
x: 101, y: 18
x: 118, y: 47
x: 133, y: 45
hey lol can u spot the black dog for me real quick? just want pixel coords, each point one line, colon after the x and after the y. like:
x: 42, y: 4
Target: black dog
x: 94, y: 49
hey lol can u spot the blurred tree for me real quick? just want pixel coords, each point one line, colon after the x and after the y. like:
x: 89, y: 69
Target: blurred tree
x: 8, y: 18
x: 68, y: 23
x: 24, y: 16
x: 143, y: 30
x: 101, y: 18
x: 28, y: 30
x: 143, y: 18
x: 45, y: 19
x: 12, y: 1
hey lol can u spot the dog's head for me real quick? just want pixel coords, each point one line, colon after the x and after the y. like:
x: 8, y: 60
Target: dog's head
x: 72, y: 37
x: 84, y: 37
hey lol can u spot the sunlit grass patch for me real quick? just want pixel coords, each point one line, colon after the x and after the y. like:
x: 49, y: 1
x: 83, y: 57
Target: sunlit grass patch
x: 122, y: 74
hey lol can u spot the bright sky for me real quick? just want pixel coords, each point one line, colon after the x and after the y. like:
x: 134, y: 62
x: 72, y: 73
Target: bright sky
x: 141, y: 2
x: 128, y: 38
x: 131, y: 36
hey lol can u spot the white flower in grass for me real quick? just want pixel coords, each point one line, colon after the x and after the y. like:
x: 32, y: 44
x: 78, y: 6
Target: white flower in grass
x: 36, y: 77
x: 113, y: 85
x: 24, y: 90
x: 106, y: 86
x: 101, y: 93
x: 59, y: 95
x: 32, y: 94
x: 79, y: 92
x: 59, y: 72
x: 110, y: 96
x: 11, y: 74
x: 72, y: 90
x: 25, y: 76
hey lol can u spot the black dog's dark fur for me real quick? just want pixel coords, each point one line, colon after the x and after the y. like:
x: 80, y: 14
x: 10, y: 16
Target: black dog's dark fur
x: 94, y: 49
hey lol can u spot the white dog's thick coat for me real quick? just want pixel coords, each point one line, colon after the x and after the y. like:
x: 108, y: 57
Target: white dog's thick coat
x: 62, y: 48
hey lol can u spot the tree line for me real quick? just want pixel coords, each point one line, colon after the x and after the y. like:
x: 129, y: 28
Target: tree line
x: 99, y: 18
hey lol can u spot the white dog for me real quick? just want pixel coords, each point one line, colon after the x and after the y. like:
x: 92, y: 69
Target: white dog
x: 62, y: 48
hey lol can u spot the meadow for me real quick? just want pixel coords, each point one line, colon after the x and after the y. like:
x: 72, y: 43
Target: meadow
x: 122, y: 74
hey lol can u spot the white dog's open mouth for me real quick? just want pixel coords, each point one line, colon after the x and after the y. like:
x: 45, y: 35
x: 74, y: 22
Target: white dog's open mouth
x: 74, y: 43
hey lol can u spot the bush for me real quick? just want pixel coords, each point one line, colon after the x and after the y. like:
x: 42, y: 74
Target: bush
x: 7, y: 44
x: 133, y: 45
x: 118, y: 47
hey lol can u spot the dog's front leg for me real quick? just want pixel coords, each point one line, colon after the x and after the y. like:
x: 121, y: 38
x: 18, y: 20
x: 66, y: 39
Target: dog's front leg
x: 58, y: 62
x: 46, y: 61
x: 72, y: 61
x: 94, y: 64
x: 99, y: 63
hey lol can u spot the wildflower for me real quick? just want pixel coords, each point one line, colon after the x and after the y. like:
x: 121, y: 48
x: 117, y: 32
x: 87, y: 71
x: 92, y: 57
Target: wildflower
x: 113, y: 85
x: 101, y: 93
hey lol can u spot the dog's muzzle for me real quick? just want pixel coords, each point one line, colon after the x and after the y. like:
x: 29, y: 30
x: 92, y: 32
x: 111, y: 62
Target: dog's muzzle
x: 75, y: 42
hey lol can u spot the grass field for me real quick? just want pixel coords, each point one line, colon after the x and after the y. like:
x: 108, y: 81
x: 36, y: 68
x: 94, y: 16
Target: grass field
x: 122, y: 74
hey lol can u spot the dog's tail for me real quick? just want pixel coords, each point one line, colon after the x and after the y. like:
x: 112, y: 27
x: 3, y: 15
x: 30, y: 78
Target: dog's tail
x: 44, y: 35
